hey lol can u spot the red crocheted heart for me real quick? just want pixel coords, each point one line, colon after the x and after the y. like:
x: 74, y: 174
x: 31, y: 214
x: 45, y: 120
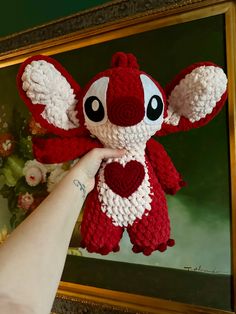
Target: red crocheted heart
x: 124, y: 181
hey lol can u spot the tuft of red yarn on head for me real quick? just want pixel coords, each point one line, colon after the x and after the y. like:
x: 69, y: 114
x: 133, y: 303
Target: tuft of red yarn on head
x: 124, y: 60
x: 125, y: 95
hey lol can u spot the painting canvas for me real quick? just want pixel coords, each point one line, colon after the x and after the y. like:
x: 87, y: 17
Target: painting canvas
x: 200, y: 212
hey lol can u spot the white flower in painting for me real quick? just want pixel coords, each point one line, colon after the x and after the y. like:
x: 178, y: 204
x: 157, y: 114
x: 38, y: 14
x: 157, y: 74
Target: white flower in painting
x: 7, y: 145
x: 55, y: 176
x: 52, y: 167
x: 34, y: 172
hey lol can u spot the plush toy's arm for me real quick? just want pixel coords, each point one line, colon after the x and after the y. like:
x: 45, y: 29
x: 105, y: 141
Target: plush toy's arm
x: 57, y: 149
x: 169, y: 178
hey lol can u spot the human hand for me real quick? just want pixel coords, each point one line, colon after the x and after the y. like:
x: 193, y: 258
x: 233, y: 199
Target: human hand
x: 89, y: 164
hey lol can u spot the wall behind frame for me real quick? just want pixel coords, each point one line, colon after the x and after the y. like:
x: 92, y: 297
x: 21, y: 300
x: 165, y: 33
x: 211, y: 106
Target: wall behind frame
x: 17, y: 15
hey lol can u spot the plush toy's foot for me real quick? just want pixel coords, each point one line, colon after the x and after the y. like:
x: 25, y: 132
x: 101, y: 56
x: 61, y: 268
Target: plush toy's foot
x: 104, y: 250
x: 99, y: 235
x: 151, y: 232
x: 163, y: 246
x: 171, y: 242
x: 148, y: 250
x: 100, y: 245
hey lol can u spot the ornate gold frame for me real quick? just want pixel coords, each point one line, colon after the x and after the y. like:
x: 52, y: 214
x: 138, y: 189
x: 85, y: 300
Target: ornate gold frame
x: 118, y: 19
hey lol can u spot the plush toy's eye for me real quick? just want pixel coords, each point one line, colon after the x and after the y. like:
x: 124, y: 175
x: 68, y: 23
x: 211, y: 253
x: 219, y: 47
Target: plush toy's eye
x: 94, y: 109
x: 153, y: 102
x: 154, y: 108
x: 94, y: 102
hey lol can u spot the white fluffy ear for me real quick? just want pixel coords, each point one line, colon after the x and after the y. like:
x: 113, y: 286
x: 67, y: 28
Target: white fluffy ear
x: 50, y: 93
x: 194, y: 97
x: 197, y: 94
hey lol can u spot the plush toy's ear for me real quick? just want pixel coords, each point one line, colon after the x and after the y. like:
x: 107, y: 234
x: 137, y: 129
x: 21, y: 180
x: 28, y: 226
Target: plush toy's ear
x: 51, y: 95
x: 194, y: 97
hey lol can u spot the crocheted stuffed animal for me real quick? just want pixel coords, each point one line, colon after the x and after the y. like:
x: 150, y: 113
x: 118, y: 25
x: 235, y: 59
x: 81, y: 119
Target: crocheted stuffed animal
x: 121, y: 107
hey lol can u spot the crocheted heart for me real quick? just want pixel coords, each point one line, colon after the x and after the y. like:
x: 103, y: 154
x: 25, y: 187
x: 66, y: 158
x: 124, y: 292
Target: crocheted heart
x: 124, y: 181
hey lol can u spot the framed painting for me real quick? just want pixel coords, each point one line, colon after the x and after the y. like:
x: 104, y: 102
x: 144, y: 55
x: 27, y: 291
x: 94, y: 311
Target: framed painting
x: 198, y: 274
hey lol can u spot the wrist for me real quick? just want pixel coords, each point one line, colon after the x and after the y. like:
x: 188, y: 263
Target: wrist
x: 81, y: 181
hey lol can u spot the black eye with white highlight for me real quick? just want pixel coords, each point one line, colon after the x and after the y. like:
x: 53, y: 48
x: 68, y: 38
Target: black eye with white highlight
x: 94, y: 103
x: 94, y: 109
x: 154, y: 108
x: 153, y: 102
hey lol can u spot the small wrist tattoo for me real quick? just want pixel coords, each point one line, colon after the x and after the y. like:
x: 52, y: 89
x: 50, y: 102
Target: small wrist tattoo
x: 81, y: 187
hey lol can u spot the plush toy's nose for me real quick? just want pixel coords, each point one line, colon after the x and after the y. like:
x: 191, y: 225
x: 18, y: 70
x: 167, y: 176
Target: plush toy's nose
x: 126, y: 111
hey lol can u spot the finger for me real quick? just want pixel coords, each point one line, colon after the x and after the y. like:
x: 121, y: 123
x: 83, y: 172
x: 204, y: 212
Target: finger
x: 104, y: 153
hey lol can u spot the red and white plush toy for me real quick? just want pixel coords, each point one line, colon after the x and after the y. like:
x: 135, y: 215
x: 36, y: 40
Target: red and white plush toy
x: 121, y: 107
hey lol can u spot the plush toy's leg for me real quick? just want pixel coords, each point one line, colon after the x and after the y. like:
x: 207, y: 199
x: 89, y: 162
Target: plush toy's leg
x: 152, y: 231
x: 99, y: 235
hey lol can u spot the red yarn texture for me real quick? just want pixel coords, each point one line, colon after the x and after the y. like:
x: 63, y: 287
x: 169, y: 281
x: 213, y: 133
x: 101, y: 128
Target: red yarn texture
x: 152, y: 231
x: 99, y: 235
x: 169, y: 178
x: 124, y: 181
x: 57, y: 149
x: 125, y: 60
x: 125, y: 97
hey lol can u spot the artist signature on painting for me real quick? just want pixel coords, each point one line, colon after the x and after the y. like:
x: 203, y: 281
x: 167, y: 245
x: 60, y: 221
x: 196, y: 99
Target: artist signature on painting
x: 201, y: 269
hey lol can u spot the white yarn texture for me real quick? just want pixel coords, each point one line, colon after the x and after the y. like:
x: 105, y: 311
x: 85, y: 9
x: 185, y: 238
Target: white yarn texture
x: 44, y: 84
x: 197, y: 94
x: 123, y: 211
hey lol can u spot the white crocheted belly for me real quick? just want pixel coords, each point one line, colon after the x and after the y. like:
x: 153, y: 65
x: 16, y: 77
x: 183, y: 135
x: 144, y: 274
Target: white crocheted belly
x: 124, y: 210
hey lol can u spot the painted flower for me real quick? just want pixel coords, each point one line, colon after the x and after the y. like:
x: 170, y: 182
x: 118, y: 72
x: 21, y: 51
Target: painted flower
x: 25, y: 201
x: 35, y: 128
x: 55, y: 176
x: 52, y: 167
x: 34, y: 172
x: 3, y: 234
x: 6, y: 144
